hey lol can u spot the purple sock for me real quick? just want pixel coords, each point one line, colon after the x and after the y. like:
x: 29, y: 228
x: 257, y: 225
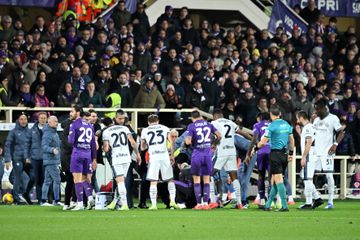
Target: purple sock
x: 197, y: 191
x: 261, y: 188
x: 206, y: 192
x: 87, y: 189
x: 79, y: 192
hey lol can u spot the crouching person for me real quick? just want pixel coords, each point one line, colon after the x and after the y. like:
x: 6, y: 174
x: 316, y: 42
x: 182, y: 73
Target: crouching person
x: 50, y: 145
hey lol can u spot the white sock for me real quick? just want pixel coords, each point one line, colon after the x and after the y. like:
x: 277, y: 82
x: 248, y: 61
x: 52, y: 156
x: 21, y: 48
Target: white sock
x: 80, y: 204
x: 212, y: 191
x: 308, y: 191
x: 315, y: 193
x: 172, y: 190
x: 236, y: 185
x: 153, y: 194
x: 331, y: 187
x: 90, y: 198
x: 122, y: 193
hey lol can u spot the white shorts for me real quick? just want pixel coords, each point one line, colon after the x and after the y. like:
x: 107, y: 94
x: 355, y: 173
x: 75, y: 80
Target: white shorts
x: 120, y: 169
x: 162, y: 166
x: 307, y: 172
x: 228, y: 162
x: 325, y: 163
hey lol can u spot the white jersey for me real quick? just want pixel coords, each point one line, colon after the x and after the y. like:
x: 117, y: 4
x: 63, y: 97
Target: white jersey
x: 308, y: 131
x: 117, y: 136
x: 227, y: 128
x: 156, y: 138
x: 325, y: 132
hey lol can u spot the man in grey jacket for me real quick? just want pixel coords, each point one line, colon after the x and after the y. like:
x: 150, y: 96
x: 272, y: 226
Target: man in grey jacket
x: 34, y: 153
x: 50, y: 145
x: 15, y: 152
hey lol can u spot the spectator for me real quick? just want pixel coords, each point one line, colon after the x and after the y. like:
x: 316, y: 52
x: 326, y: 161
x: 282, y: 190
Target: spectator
x: 40, y: 99
x: 7, y: 31
x: 33, y: 151
x: 121, y: 15
x: 90, y: 98
x: 142, y: 58
x: 4, y: 94
x: 310, y: 13
x: 197, y: 97
x: 50, y: 145
x: 15, y: 153
x: 32, y: 68
x: 141, y: 23
x: 24, y: 96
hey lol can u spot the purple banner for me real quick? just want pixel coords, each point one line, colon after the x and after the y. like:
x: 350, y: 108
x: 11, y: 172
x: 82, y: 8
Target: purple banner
x: 283, y: 16
x: 29, y: 3
x: 336, y: 8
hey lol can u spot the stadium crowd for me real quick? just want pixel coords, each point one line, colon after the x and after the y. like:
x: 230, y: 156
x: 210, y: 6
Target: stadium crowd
x: 123, y: 62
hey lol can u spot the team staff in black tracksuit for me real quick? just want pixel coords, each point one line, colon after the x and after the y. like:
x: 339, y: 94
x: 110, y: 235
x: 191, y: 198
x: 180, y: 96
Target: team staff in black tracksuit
x: 66, y: 150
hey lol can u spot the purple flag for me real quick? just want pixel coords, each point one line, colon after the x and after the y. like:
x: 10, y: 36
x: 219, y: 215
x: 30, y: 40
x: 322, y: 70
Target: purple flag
x: 283, y: 16
x: 336, y: 8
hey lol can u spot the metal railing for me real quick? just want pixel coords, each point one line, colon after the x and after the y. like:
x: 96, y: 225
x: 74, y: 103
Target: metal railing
x: 134, y: 112
x: 343, y: 188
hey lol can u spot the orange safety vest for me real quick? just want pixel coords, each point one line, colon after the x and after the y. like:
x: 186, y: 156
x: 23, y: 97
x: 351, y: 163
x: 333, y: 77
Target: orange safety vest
x: 62, y: 7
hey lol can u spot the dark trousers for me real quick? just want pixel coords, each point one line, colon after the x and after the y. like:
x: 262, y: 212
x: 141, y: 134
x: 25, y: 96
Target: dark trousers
x: 18, y: 168
x: 69, y: 188
x: 129, y: 183
x: 36, y: 174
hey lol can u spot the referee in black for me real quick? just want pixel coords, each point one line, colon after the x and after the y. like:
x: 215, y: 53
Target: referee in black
x: 279, y: 133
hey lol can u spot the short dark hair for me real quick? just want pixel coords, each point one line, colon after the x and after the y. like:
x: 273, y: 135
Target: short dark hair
x: 303, y: 114
x: 120, y: 112
x: 322, y: 102
x: 79, y: 109
x: 195, y: 114
x: 218, y: 112
x: 107, y: 121
x: 264, y: 116
x: 92, y: 111
x: 153, y: 118
x: 275, y: 111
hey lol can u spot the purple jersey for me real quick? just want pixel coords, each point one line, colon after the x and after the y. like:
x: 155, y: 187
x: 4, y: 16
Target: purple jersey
x: 81, y: 136
x: 200, y: 133
x: 259, y: 130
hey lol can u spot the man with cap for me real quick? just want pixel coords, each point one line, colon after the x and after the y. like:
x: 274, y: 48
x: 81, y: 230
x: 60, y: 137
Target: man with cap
x: 148, y: 97
x: 169, y: 17
x: 5, y: 67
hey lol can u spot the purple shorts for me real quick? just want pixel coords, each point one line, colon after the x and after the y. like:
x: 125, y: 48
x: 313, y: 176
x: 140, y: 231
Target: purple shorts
x: 80, y: 164
x: 201, y: 164
x: 263, y: 161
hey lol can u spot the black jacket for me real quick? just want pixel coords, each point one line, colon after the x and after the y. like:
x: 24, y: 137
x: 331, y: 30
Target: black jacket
x: 66, y: 147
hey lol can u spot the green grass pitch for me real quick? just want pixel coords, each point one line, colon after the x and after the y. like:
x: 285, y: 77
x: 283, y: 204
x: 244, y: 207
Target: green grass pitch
x: 35, y: 222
